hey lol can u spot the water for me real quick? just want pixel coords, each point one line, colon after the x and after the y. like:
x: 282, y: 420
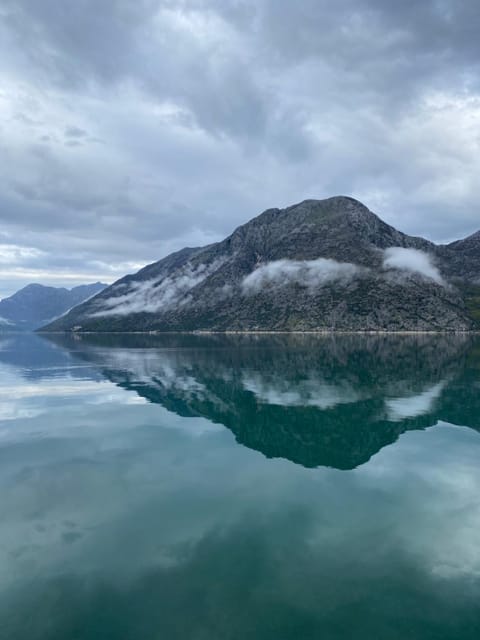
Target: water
x: 205, y: 487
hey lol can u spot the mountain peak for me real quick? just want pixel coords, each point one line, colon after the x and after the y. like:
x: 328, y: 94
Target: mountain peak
x: 33, y: 286
x: 342, y: 200
x: 472, y: 240
x: 35, y: 304
x: 338, y: 203
x: 316, y: 265
x: 338, y: 208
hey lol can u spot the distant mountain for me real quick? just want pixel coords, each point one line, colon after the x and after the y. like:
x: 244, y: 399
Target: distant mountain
x: 319, y: 265
x: 35, y: 304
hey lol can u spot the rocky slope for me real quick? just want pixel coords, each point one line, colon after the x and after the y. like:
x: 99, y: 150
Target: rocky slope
x: 319, y: 265
x: 35, y: 304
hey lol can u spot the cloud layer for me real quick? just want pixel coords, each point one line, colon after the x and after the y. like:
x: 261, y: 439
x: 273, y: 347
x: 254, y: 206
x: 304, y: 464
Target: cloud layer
x: 311, y: 274
x: 157, y: 294
x: 131, y: 128
x: 412, y: 260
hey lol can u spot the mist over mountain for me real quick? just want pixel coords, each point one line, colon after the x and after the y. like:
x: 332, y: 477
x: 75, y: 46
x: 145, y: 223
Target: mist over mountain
x: 34, y: 305
x: 320, y: 265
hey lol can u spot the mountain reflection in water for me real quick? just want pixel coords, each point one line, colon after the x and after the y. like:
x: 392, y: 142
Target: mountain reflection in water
x: 315, y: 400
x: 129, y: 510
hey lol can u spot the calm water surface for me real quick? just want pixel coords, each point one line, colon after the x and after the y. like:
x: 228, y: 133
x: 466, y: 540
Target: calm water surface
x: 206, y: 487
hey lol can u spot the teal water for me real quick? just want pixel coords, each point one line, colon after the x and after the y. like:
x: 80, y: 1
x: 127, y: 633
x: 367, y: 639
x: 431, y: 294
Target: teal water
x: 248, y: 487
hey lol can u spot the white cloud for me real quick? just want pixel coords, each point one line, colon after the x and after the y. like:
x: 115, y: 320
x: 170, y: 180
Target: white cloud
x: 154, y: 295
x: 308, y: 273
x: 412, y: 260
x: 14, y: 254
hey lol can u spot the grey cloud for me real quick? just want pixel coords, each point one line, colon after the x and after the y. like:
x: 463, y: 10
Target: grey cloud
x: 75, y: 132
x: 209, y: 112
x: 390, y: 38
x: 120, y: 41
x: 71, y: 43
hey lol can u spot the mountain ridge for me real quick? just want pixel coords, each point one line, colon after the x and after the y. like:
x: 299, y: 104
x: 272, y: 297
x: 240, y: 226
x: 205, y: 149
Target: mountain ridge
x: 35, y: 304
x: 319, y: 265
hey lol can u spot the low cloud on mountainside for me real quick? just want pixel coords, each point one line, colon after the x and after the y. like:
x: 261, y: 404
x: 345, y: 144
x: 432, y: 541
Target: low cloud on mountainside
x: 311, y: 274
x: 158, y: 294
x: 412, y: 260
x: 162, y: 293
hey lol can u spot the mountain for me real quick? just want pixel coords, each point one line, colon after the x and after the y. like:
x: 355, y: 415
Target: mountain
x: 34, y: 305
x: 319, y: 265
x: 312, y: 399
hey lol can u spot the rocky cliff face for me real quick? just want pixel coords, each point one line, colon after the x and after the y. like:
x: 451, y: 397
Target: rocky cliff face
x: 320, y: 265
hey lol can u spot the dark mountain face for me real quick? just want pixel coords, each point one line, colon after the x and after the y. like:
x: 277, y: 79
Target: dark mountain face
x: 462, y: 258
x: 320, y: 265
x: 35, y: 304
x: 314, y: 400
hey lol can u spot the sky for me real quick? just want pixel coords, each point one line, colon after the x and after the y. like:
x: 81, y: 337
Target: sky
x: 133, y: 128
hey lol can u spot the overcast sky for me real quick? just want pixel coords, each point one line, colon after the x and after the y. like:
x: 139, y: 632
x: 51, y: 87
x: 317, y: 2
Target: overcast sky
x: 129, y: 129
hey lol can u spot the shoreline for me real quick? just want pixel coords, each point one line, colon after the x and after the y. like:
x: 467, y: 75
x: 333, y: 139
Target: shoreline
x: 323, y: 332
